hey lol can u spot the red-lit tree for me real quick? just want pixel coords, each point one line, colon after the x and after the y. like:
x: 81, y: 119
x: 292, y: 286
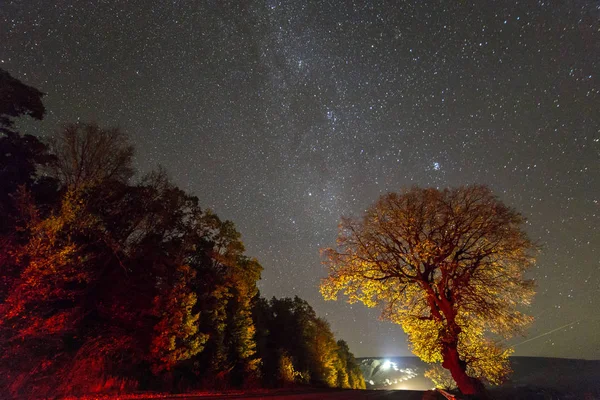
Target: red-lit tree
x: 447, y: 265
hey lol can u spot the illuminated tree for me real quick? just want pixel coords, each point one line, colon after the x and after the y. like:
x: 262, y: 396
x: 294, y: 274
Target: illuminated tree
x: 350, y: 370
x: 286, y: 373
x: 446, y: 265
x: 176, y: 335
x: 325, y: 355
x: 225, y: 284
x: 40, y: 316
x: 441, y: 377
x: 22, y: 157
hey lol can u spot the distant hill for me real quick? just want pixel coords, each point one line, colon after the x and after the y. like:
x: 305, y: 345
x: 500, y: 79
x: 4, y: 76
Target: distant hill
x: 554, y: 377
x: 533, y: 377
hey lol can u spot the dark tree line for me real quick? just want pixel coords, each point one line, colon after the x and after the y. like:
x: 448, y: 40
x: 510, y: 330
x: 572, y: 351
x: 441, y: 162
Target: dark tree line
x: 108, y: 285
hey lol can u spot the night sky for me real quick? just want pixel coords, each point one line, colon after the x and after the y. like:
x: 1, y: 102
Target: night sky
x: 284, y: 115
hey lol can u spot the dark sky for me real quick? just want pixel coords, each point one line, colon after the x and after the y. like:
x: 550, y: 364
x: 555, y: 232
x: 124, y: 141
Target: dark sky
x: 284, y: 115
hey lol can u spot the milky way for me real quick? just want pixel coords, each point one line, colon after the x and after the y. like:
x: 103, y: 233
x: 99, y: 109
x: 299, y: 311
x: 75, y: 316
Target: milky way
x: 284, y: 115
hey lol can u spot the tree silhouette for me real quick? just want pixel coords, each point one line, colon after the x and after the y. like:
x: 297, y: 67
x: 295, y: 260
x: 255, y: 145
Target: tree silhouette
x: 447, y: 265
x: 89, y: 154
x: 22, y: 159
x: 17, y: 99
x: 21, y: 156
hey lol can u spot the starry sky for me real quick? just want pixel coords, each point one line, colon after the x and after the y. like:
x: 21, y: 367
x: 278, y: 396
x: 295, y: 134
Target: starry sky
x: 283, y: 115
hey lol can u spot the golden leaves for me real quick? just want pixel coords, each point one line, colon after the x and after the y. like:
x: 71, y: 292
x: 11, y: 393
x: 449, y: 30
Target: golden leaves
x: 441, y: 378
x: 176, y: 336
x: 443, y: 264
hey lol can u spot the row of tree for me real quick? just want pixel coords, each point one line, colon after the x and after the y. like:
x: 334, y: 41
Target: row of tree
x: 297, y: 346
x: 111, y: 285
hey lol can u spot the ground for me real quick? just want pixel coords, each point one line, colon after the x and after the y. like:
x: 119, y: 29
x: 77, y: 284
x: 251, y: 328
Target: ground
x: 341, y: 395
x: 284, y: 394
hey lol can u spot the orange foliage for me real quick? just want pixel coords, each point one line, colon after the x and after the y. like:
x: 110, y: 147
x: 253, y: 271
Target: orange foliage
x: 448, y: 266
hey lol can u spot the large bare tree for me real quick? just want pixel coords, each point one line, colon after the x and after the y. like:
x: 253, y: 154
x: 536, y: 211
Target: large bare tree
x: 448, y: 266
x: 87, y: 153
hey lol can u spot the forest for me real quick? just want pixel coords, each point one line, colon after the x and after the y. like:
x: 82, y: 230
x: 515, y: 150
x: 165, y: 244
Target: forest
x: 116, y: 281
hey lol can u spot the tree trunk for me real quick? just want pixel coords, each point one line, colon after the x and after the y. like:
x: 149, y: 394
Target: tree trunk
x: 458, y: 368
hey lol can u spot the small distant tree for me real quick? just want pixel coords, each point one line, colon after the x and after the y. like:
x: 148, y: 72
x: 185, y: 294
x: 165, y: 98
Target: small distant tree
x: 447, y: 265
x: 286, y: 372
x: 441, y: 377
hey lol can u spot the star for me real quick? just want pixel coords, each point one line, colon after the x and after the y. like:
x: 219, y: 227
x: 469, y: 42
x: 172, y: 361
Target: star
x: 284, y: 116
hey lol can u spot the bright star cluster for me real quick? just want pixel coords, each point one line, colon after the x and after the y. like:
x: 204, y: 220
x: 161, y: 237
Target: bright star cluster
x: 282, y: 115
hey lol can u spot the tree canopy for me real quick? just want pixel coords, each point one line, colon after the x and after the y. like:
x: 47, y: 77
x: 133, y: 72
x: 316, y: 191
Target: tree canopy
x: 17, y: 99
x: 448, y: 266
x: 21, y: 156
